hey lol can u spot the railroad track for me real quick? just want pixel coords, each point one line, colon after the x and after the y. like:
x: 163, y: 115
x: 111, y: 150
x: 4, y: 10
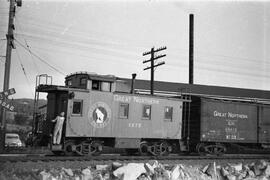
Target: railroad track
x: 110, y: 158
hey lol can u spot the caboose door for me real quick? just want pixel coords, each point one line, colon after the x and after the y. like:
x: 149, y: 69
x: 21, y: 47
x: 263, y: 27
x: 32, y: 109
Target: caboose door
x: 57, y: 103
x: 264, y: 125
x: 62, y: 99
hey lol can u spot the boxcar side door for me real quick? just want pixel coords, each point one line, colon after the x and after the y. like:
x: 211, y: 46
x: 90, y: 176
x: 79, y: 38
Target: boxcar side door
x: 264, y: 124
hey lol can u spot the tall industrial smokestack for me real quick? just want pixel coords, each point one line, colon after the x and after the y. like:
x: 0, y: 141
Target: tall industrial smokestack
x: 191, y: 54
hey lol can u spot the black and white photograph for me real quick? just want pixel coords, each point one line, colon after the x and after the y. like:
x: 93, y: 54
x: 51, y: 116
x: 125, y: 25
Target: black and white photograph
x: 134, y: 89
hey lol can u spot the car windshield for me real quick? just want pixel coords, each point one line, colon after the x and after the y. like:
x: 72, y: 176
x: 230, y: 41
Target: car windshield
x: 12, y: 137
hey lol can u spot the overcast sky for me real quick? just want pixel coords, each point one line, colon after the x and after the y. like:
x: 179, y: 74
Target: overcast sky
x: 232, y: 41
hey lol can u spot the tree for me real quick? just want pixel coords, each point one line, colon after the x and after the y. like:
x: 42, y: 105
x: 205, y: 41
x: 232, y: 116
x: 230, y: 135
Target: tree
x: 20, y: 119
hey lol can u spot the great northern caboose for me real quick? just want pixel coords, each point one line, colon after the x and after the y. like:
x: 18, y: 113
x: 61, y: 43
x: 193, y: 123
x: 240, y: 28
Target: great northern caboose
x: 101, y: 111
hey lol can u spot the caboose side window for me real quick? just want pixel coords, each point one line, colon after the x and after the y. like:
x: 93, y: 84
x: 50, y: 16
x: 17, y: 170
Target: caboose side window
x: 83, y: 81
x: 168, y: 113
x: 95, y: 85
x: 146, y: 114
x: 101, y: 86
x: 77, y: 107
x: 123, y: 110
x: 69, y: 82
x: 105, y: 86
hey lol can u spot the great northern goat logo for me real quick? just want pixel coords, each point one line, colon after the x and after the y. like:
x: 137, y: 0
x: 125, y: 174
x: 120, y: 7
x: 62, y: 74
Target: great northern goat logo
x: 99, y: 114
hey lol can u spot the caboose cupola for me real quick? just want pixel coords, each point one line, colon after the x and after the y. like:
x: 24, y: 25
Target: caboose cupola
x: 91, y: 81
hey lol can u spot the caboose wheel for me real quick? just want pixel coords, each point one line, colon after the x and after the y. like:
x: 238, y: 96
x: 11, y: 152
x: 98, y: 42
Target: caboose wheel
x: 68, y: 148
x: 143, y: 150
x: 95, y: 148
x: 154, y: 149
x: 88, y: 148
x: 164, y: 148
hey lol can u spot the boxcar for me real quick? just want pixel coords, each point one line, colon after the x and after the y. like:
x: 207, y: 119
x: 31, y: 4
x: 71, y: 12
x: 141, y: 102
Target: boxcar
x: 220, y: 123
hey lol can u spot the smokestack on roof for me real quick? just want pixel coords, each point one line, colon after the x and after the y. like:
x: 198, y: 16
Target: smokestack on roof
x: 133, y: 82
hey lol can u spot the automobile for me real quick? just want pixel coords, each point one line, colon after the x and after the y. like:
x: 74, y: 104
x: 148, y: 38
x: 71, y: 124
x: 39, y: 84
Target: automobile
x: 13, y: 140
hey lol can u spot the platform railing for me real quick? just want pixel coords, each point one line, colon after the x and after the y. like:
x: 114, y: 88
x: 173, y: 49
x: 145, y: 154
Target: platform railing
x: 42, y: 79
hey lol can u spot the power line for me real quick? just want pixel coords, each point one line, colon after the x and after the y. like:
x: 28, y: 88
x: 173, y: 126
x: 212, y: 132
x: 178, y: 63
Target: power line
x: 45, y: 62
x: 84, y: 41
x: 219, y: 55
x: 97, y: 58
x: 83, y: 35
x: 24, y: 71
x: 19, y: 28
x: 86, y: 46
x: 32, y: 56
x: 57, y: 29
x: 121, y: 54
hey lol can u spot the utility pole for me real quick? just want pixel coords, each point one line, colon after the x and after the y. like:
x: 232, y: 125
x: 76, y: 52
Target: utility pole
x: 10, y: 46
x: 153, y: 65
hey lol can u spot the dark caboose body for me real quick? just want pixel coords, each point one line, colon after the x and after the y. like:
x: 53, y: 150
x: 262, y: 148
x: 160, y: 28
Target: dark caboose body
x: 100, y: 112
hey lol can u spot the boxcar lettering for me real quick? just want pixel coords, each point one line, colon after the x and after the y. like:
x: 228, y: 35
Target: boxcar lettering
x: 230, y: 115
x: 241, y: 116
x: 231, y: 122
x: 232, y: 137
x: 219, y: 114
x: 230, y: 130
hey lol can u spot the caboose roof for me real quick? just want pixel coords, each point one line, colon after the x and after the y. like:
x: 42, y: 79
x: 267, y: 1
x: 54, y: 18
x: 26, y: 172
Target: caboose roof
x: 53, y: 88
x: 182, y: 88
x: 93, y: 76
